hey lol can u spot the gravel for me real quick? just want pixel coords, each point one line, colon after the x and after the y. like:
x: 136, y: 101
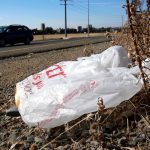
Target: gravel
x: 15, y: 69
x: 15, y: 134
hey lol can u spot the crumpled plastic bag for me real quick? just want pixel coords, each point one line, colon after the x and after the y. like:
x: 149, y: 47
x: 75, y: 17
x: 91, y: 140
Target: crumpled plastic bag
x: 69, y: 89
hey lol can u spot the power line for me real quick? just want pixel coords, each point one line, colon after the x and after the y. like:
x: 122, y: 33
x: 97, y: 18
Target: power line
x: 93, y: 13
x: 85, y: 10
x: 82, y: 5
x: 100, y: 3
x: 78, y: 11
x: 88, y: 13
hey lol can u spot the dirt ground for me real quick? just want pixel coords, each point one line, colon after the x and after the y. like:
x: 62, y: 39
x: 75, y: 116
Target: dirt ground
x: 15, y: 69
x: 124, y: 130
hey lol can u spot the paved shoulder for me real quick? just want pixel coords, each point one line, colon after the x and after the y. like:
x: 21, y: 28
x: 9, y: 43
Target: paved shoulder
x: 48, y: 45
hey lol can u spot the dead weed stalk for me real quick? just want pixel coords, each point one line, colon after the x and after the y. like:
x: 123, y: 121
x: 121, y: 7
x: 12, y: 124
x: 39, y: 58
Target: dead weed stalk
x: 135, y: 37
x: 137, y: 23
x: 95, y: 130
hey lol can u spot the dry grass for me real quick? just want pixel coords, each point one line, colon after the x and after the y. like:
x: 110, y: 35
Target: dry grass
x: 58, y: 36
x: 126, y: 127
x: 136, y: 36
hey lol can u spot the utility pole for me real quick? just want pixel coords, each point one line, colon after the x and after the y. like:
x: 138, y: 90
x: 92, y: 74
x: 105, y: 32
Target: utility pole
x: 65, y: 18
x: 65, y: 4
x: 122, y: 21
x: 88, y: 19
x: 43, y: 29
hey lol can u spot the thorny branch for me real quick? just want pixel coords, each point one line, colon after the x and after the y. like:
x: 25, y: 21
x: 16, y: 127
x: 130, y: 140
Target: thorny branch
x: 133, y: 16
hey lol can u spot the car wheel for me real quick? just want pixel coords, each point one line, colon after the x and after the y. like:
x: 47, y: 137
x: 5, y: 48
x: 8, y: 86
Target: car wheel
x: 2, y: 42
x: 27, y: 41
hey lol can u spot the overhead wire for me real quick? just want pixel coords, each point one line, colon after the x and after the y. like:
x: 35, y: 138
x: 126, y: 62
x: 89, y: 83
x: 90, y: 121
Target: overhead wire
x: 93, y: 10
x: 80, y: 8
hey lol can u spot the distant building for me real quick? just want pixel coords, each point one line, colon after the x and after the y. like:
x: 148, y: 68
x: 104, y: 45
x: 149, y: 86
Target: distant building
x: 58, y: 30
x: 79, y: 29
x: 43, y: 26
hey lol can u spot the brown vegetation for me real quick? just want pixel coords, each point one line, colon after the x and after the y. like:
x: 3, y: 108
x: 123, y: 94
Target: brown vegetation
x: 125, y: 127
x: 58, y: 36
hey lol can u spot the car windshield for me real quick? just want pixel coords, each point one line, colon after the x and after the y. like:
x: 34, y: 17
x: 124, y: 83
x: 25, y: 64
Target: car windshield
x: 2, y: 28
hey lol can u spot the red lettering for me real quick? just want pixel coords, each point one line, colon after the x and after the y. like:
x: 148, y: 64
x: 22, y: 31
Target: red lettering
x: 93, y: 84
x: 83, y: 88
x: 37, y: 76
x: 39, y: 84
x: 51, y: 74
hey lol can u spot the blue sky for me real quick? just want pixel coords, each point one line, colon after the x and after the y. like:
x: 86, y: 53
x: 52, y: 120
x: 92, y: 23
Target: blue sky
x: 34, y: 12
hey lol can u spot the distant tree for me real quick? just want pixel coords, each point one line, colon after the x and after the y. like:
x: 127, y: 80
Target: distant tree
x: 49, y: 30
x: 62, y: 31
x: 84, y: 30
x: 35, y: 31
x: 71, y: 30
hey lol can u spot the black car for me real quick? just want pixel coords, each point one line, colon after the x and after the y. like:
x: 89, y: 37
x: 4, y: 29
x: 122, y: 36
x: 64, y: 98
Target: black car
x: 15, y: 34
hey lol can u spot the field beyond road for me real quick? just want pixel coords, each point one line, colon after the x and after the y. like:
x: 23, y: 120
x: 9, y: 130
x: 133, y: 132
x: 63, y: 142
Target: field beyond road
x: 60, y: 36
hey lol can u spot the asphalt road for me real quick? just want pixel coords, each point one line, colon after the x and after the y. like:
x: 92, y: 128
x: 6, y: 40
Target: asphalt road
x: 47, y: 45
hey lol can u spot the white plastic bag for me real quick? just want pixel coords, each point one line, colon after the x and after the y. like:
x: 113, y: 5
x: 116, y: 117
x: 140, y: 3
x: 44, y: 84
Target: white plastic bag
x: 69, y: 89
x: 115, y: 56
